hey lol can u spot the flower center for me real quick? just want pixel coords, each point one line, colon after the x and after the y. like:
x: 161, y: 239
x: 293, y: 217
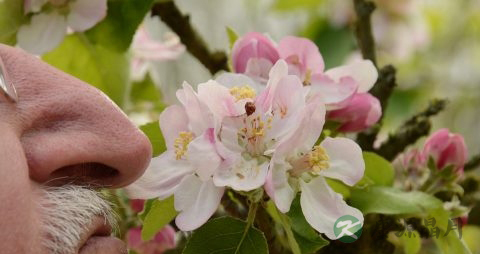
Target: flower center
x: 242, y: 92
x: 181, y: 143
x: 253, y: 133
x: 313, y: 162
x: 318, y: 159
x: 308, y: 78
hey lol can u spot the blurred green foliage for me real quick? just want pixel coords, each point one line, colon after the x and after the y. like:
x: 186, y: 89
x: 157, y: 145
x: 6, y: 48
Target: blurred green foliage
x: 99, y: 66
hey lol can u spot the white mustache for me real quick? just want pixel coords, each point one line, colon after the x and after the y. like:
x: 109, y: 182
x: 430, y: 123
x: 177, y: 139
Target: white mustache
x: 67, y: 212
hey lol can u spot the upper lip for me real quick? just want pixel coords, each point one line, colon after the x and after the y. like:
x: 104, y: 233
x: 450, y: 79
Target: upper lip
x: 98, y: 227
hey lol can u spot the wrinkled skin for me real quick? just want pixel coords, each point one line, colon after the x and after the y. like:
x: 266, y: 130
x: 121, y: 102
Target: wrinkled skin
x: 58, y: 124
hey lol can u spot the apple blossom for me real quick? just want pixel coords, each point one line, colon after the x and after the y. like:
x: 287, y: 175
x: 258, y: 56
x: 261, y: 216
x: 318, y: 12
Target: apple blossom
x: 145, y: 49
x: 411, y: 170
x: 254, y: 54
x: 161, y: 242
x: 337, y: 85
x: 48, y: 26
x: 251, y: 125
x: 446, y: 149
x: 299, y: 167
x: 361, y: 112
x: 189, y: 137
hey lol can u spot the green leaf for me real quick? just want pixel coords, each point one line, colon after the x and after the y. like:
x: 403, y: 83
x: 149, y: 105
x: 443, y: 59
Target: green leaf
x: 288, y: 5
x: 378, y: 170
x: 451, y: 243
x: 386, y: 200
x: 146, y: 209
x: 147, y: 91
x: 222, y: 236
x: 160, y: 214
x: 117, y: 29
x: 411, y: 245
x: 11, y: 18
x: 470, y: 236
x: 307, y: 238
x: 339, y: 187
x: 154, y: 134
x: 96, y: 65
x: 232, y: 36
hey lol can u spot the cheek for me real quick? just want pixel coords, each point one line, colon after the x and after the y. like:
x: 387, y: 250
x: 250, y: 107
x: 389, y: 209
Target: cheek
x: 19, y: 220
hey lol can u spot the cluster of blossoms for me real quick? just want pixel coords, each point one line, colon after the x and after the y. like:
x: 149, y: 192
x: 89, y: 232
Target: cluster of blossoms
x: 443, y: 148
x: 343, y: 89
x: 49, y: 20
x: 260, y: 128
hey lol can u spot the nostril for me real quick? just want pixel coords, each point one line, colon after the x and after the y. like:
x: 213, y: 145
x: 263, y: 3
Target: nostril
x: 92, y: 174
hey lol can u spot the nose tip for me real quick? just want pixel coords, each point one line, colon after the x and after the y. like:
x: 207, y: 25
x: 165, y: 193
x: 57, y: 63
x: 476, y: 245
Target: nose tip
x: 70, y: 130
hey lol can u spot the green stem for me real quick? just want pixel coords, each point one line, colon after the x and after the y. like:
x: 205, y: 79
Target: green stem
x: 252, y: 210
x: 288, y: 230
x: 430, y: 185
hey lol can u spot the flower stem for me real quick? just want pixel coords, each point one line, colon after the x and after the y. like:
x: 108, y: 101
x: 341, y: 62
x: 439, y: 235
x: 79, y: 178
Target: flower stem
x: 252, y: 210
x: 288, y: 230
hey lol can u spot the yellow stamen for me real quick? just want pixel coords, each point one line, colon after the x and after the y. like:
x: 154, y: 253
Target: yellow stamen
x: 243, y: 92
x: 181, y: 143
x: 318, y: 159
x: 308, y: 78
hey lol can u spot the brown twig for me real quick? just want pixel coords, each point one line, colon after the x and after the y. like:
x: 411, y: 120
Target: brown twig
x: 414, y: 128
x: 382, y: 89
x: 180, y: 24
x: 363, y: 29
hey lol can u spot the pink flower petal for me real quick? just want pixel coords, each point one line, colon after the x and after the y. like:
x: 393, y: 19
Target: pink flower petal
x: 84, y: 14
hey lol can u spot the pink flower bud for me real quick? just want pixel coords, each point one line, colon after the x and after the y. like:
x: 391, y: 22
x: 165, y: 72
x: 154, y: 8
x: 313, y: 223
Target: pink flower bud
x: 463, y: 220
x: 137, y: 205
x: 361, y: 112
x: 254, y: 52
x: 446, y: 149
x: 410, y: 160
x: 162, y: 241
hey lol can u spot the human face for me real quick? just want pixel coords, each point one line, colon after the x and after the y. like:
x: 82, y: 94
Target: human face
x: 61, y: 131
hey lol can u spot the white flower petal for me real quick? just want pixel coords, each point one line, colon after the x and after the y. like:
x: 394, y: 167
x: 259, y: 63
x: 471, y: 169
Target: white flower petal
x: 243, y: 175
x: 161, y: 178
x: 259, y: 69
x: 202, y: 154
x: 173, y: 120
x: 196, y: 201
x: 287, y: 105
x: 278, y: 188
x: 43, y: 34
x: 84, y: 14
x: 345, y: 159
x: 230, y: 80
x: 321, y: 206
x: 278, y: 71
x: 218, y: 99
x: 364, y: 72
x: 199, y: 116
x: 307, y: 133
x: 333, y: 93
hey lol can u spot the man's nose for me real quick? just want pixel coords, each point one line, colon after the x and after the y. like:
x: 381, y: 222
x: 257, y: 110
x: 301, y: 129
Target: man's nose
x: 70, y: 131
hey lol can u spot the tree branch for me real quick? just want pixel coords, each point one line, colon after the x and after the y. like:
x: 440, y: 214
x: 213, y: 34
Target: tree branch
x: 386, y: 82
x: 180, y: 24
x: 414, y: 128
x: 382, y: 89
x: 473, y: 163
x: 363, y: 29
